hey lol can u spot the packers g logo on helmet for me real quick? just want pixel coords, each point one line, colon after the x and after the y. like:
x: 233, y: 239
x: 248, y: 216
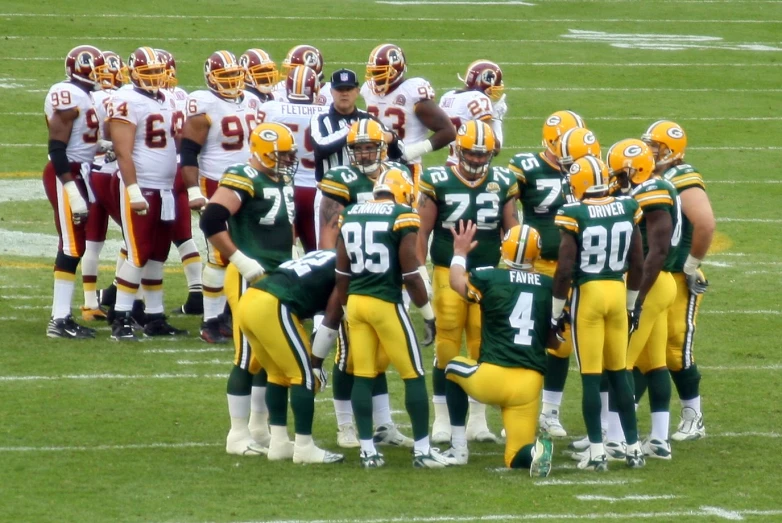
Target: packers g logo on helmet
x: 630, y: 157
x: 631, y: 151
x: 667, y: 140
x: 268, y: 135
x: 521, y: 247
x: 574, y: 144
x: 558, y: 124
x: 675, y: 132
x: 274, y: 147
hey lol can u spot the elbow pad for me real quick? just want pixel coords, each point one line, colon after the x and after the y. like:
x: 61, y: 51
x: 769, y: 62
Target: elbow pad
x: 214, y: 219
x: 189, y: 151
x: 59, y: 157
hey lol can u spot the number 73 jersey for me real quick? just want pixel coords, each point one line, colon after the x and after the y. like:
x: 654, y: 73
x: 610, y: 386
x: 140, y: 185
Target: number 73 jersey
x: 479, y: 201
x: 603, y: 228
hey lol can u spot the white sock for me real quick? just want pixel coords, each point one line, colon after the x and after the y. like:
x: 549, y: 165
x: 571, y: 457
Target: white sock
x: 191, y: 262
x: 458, y: 436
x: 367, y: 446
x: 660, y: 425
x: 279, y: 433
x: 381, y: 410
x: 63, y: 294
x: 604, y: 410
x: 303, y: 441
x: 440, y: 410
x: 89, y: 268
x: 477, y: 413
x: 422, y: 445
x: 258, y: 398
x: 130, y: 273
x: 694, y: 403
x: 344, y: 411
x: 152, y: 287
x: 239, y: 410
x: 551, y: 400
x: 213, y: 280
x: 614, y: 427
x: 596, y: 449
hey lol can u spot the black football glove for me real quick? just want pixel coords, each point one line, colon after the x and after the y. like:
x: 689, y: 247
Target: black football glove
x: 696, y: 283
x: 633, y: 318
x: 558, y: 325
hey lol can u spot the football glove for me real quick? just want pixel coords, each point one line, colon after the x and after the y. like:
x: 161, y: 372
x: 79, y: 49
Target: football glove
x: 633, y: 318
x: 321, y: 378
x: 500, y: 107
x: 250, y: 269
x: 558, y: 325
x: 696, y: 283
x: 76, y: 202
x: 429, y: 332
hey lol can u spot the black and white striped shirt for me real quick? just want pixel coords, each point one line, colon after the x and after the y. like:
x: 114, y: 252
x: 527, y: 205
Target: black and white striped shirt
x: 328, y: 135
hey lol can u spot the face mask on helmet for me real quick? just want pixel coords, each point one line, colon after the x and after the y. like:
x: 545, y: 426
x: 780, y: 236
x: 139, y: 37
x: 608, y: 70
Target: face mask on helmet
x: 667, y: 142
x: 366, y: 156
x: 475, y: 148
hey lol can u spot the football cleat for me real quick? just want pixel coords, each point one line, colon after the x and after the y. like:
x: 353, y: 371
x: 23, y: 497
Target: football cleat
x: 158, y: 326
x: 431, y: 460
x: 390, y: 435
x: 122, y: 328
x: 582, y: 444
x: 346, y: 436
x: 280, y: 450
x: 312, y: 454
x: 441, y: 431
x: 541, y: 461
x: 635, y: 458
x: 210, y: 331
x: 226, y: 326
x: 88, y: 314
x: 479, y: 431
x: 457, y: 455
x: 68, y: 329
x: 615, y: 450
x: 690, y: 427
x: 655, y: 448
x: 261, y: 435
x: 193, y: 306
x: 107, y: 296
x: 549, y: 423
x: 371, y: 461
x: 138, y: 315
x: 597, y: 463
x: 244, y: 446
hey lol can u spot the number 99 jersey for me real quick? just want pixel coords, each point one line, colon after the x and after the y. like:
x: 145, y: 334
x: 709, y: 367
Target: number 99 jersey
x: 83, y: 142
x: 480, y: 201
x: 230, y: 125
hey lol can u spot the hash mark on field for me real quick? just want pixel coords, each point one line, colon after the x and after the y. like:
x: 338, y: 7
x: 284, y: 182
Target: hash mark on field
x: 225, y: 349
x: 132, y: 446
x: 722, y: 513
x: 556, y: 482
x: 632, y: 497
x: 204, y: 362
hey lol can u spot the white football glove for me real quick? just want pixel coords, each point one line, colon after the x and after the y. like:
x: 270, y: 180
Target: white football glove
x: 134, y: 193
x: 196, y: 198
x: 427, y: 281
x: 499, y: 108
x: 321, y: 378
x: 76, y: 202
x: 250, y: 269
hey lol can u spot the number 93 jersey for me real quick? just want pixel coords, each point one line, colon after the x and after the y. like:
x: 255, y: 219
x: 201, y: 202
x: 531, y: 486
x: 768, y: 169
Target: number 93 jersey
x: 479, y: 201
x: 541, y: 196
x: 263, y: 227
x: 230, y: 124
x: 372, y: 232
x: 657, y: 194
x: 603, y: 228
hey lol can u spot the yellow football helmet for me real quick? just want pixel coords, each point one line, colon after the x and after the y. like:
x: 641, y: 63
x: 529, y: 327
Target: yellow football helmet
x: 366, y: 145
x: 260, y: 71
x: 558, y: 124
x: 630, y: 160
x: 274, y: 147
x: 667, y: 141
x: 588, y: 174
x: 476, y: 139
x: 521, y: 247
x: 574, y: 144
x: 397, y: 183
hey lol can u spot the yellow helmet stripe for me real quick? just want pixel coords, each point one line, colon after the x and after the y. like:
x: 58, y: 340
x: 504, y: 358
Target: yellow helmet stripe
x: 298, y: 79
x: 480, y: 139
x: 362, y: 127
x: 151, y: 55
x: 564, y: 142
x: 596, y: 174
x: 522, y: 244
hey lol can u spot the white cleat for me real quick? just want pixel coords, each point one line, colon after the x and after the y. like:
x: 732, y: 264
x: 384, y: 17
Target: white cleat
x: 243, y: 446
x: 543, y: 453
x: 635, y: 458
x: 596, y: 463
x: 346, y: 437
x: 616, y: 450
x: 550, y: 424
x: 582, y: 444
x: 312, y: 454
x: 390, y: 435
x: 655, y: 448
x: 261, y: 436
x: 480, y: 432
x: 280, y: 450
x: 457, y: 456
x: 690, y: 427
x: 441, y: 431
x: 431, y: 460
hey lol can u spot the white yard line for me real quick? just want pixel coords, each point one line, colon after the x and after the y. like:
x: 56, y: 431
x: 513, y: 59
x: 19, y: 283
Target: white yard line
x: 228, y: 350
x: 133, y: 446
x: 632, y: 497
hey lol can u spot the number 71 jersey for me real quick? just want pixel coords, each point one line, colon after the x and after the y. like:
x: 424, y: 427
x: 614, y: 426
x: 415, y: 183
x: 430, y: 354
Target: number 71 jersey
x: 603, y: 228
x: 479, y: 201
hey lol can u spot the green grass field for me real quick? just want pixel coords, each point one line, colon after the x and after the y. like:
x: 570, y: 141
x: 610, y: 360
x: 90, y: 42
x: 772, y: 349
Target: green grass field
x: 97, y: 431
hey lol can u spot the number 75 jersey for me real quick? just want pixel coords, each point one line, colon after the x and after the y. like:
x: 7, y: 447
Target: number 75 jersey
x: 479, y: 201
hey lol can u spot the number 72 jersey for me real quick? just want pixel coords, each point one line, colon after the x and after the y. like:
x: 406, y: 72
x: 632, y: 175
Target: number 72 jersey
x: 480, y: 201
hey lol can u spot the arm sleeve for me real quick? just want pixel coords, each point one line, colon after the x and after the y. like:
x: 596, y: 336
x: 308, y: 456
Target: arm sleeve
x: 326, y: 142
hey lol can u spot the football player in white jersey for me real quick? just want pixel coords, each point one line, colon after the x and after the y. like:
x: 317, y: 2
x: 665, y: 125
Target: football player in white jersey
x: 311, y: 57
x: 480, y: 99
x: 260, y: 76
x: 101, y: 185
x: 215, y: 136
x: 406, y: 106
x: 142, y: 130
x: 73, y: 141
x: 301, y: 92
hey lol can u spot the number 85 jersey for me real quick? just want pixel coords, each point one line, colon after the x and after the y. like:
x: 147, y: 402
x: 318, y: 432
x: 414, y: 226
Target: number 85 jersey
x: 480, y: 201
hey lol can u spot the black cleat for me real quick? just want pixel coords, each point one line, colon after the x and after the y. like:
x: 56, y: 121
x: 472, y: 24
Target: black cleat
x: 158, y: 326
x: 193, y: 306
x: 108, y: 296
x: 122, y: 328
x: 69, y: 329
x: 210, y: 331
x: 138, y: 315
x: 226, y: 325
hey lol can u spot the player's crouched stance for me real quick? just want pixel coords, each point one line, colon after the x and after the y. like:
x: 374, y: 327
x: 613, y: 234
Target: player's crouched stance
x: 515, y: 324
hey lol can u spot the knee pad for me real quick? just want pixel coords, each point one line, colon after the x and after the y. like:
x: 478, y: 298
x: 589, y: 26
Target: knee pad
x: 214, y: 276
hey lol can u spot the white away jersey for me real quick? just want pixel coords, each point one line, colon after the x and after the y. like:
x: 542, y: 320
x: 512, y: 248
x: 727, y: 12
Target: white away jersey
x: 463, y: 106
x: 101, y: 99
x: 324, y: 97
x: 154, y: 150
x: 396, y: 109
x: 297, y: 117
x: 83, y: 141
x: 230, y: 124
x: 180, y: 99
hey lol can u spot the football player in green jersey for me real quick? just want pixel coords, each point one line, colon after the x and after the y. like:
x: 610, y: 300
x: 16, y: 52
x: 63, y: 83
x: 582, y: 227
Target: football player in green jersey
x: 269, y: 314
x: 599, y: 239
x: 485, y: 195
x: 249, y: 220
x: 515, y: 304
x: 376, y: 253
x: 367, y: 144
x: 668, y: 143
x: 541, y: 184
x: 631, y: 163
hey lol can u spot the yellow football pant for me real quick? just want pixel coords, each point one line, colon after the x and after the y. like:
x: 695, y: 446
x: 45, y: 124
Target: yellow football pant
x: 648, y: 344
x: 549, y: 267
x: 371, y: 320
x: 343, y: 356
x: 278, y: 338
x: 682, y: 316
x: 453, y: 316
x: 235, y: 286
x: 599, y: 315
x: 515, y: 390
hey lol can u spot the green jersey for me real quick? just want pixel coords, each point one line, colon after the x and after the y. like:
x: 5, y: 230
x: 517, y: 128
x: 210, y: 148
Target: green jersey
x: 541, y: 195
x: 515, y: 316
x: 262, y: 228
x: 457, y: 199
x: 657, y: 194
x: 347, y: 185
x: 603, y: 228
x: 684, y: 177
x: 303, y: 285
x: 372, y: 232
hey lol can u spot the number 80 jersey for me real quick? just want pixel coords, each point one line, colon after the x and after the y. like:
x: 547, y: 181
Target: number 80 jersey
x: 479, y: 201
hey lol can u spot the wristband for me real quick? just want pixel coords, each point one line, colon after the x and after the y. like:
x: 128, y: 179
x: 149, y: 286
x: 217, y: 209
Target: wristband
x: 426, y: 312
x: 691, y: 265
x: 632, y: 298
x: 134, y: 192
x: 242, y: 262
x: 417, y: 150
x: 557, y: 306
x: 324, y: 339
x: 194, y: 193
x: 461, y: 261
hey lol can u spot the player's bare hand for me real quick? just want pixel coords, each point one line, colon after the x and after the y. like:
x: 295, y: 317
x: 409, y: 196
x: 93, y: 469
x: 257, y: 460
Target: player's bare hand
x: 463, y: 238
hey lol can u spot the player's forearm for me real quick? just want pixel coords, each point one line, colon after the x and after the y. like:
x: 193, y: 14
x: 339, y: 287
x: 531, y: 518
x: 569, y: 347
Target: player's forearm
x: 416, y: 288
x: 127, y: 169
x: 457, y: 278
x: 190, y: 176
x: 702, y: 236
x: 223, y: 243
